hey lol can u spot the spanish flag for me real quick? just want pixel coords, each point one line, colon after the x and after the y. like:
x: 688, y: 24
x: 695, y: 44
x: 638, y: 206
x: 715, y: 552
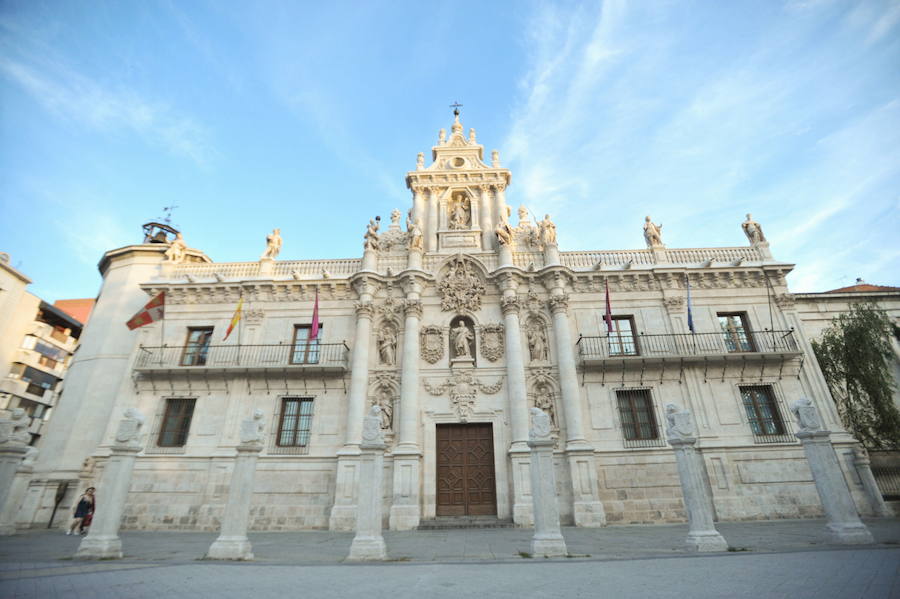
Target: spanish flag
x: 154, y: 310
x: 235, y: 318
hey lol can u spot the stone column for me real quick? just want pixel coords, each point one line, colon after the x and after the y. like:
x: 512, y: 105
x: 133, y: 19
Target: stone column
x: 587, y: 508
x: 518, y: 404
x: 500, y: 204
x: 14, y: 438
x: 17, y: 492
x: 343, y: 513
x: 419, y: 204
x: 102, y: 540
x: 368, y: 544
x: 405, y: 510
x: 233, y: 542
x: 487, y: 220
x: 548, y: 540
x: 431, y: 232
x: 844, y: 525
x: 702, y: 533
x: 863, y: 466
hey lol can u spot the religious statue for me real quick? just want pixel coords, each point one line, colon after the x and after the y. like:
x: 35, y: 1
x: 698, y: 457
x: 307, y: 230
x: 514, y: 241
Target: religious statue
x: 471, y: 135
x: 176, y: 250
x: 540, y: 425
x: 547, y: 231
x: 252, y: 428
x: 129, y: 427
x: 753, y: 230
x: 371, y: 432
x: 387, y: 345
x: 371, y: 237
x: 420, y: 161
x: 504, y: 233
x: 273, y: 245
x: 461, y: 337
x: 459, y: 215
x: 543, y: 400
x: 385, y: 401
x: 652, y: 233
x: 806, y: 415
x: 442, y: 137
x: 495, y: 159
x: 416, y: 239
x: 537, y: 342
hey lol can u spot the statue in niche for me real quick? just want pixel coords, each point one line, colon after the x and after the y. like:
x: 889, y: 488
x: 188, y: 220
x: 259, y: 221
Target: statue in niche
x: 371, y: 237
x: 459, y: 212
x: 416, y: 239
x: 384, y: 399
x: 461, y: 336
x: 652, y: 234
x: 537, y: 342
x: 753, y: 230
x: 273, y: 245
x: 543, y: 400
x: 547, y: 231
x: 176, y: 252
x: 387, y: 345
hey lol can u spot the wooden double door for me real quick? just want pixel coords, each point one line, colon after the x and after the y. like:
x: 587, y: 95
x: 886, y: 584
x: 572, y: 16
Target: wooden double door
x: 466, y: 484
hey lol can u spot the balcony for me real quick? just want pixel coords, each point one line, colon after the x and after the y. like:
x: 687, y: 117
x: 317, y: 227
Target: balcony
x: 21, y: 388
x: 46, y: 332
x: 321, y: 359
x: 29, y: 357
x: 647, y: 350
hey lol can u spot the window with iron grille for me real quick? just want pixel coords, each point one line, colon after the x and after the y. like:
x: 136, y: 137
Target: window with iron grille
x: 305, y: 351
x: 295, y: 422
x: 762, y: 410
x: 636, y: 413
x: 621, y: 340
x: 736, y: 331
x: 176, y: 422
x: 197, y: 346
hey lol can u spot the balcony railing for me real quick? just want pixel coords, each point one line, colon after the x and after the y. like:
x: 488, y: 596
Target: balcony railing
x: 615, y: 347
x: 316, y: 357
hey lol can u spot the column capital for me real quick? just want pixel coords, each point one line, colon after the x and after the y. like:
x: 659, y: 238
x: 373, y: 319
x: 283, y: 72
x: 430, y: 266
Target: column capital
x: 559, y: 304
x: 510, y: 304
x: 413, y: 307
x: 364, y: 309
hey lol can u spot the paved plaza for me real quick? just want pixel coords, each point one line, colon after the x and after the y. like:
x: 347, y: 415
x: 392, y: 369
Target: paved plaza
x: 787, y: 558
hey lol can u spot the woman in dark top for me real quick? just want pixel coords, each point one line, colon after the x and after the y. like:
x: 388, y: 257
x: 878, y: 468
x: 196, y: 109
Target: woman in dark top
x: 84, y: 512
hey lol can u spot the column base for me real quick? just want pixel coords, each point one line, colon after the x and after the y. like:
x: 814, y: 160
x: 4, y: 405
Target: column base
x: 233, y: 548
x: 705, y: 541
x: 98, y: 547
x: 589, y: 514
x: 367, y: 549
x: 404, y: 517
x: 851, y: 533
x: 549, y: 546
x: 343, y: 518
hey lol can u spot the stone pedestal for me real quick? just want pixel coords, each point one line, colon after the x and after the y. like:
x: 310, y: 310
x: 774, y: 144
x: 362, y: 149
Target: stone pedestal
x: 864, y: 469
x: 266, y: 267
x: 551, y: 255
x: 233, y: 542
x: 370, y: 260
x: 414, y: 261
x: 11, y: 454
x: 368, y: 544
x: 548, y: 540
x: 844, y: 525
x: 343, y: 512
x: 14, y: 500
x: 505, y: 256
x: 102, y: 540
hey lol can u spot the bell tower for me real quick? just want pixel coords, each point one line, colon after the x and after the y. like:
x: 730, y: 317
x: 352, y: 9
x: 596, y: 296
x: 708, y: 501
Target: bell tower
x: 458, y: 200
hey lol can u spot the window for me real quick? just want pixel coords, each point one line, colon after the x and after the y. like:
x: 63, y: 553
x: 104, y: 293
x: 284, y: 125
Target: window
x: 736, y: 331
x: 295, y: 422
x: 197, y: 346
x: 49, y: 356
x: 176, y: 422
x: 38, y: 382
x: 762, y: 411
x: 621, y: 339
x: 305, y: 351
x: 636, y: 412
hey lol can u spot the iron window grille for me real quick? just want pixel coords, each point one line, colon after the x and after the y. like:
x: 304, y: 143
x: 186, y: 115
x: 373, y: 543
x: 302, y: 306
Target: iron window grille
x: 764, y: 415
x: 294, y: 419
x: 638, y: 418
x: 176, y: 422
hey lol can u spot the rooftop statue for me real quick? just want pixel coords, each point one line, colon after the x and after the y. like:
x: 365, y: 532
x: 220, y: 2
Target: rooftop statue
x: 176, y: 252
x: 273, y: 245
x: 416, y: 239
x: 753, y: 230
x: 652, y: 234
x: 420, y: 161
x: 504, y: 233
x: 371, y: 237
x: 547, y: 231
x: 495, y: 159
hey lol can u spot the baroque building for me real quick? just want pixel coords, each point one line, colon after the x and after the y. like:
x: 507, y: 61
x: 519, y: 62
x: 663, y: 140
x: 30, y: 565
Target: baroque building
x: 455, y: 321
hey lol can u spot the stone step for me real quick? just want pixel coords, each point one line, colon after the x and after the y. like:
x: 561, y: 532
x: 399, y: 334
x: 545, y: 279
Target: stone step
x: 454, y: 522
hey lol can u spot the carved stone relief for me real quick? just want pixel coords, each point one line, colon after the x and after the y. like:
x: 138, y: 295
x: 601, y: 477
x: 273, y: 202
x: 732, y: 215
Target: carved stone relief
x: 462, y: 339
x: 463, y: 387
x: 492, y: 341
x: 536, y: 336
x: 543, y: 394
x: 386, y: 338
x: 461, y: 288
x: 384, y: 393
x: 431, y: 343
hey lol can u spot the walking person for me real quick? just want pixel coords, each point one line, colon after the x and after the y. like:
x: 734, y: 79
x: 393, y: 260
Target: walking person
x: 84, y: 512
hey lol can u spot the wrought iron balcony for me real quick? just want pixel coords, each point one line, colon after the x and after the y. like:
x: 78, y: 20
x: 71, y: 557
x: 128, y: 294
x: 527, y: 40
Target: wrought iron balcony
x: 687, y: 347
x: 316, y: 358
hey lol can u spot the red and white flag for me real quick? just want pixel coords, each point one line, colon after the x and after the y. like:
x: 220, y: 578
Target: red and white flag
x: 154, y: 310
x: 608, y: 316
x: 314, y: 329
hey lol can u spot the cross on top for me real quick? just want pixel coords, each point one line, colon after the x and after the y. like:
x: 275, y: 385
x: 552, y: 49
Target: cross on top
x: 455, y: 106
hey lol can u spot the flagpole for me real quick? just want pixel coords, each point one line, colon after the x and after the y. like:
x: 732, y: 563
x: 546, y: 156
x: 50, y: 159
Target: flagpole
x: 162, y: 333
x: 240, y: 325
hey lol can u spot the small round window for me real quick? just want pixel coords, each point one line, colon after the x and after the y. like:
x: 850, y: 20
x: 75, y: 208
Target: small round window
x: 459, y: 162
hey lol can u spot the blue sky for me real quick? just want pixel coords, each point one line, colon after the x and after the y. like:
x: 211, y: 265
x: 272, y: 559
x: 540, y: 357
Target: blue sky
x: 307, y: 115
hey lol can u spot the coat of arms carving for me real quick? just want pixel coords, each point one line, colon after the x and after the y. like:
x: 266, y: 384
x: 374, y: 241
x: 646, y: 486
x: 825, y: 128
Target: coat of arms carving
x: 463, y: 387
x: 431, y: 343
x: 460, y: 289
x: 492, y: 343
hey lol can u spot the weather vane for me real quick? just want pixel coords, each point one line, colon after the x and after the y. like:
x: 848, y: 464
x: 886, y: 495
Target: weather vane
x: 167, y: 210
x: 455, y: 106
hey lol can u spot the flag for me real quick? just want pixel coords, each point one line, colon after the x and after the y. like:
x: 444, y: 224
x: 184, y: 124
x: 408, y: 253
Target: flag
x: 236, y: 318
x: 314, y: 328
x: 689, y: 306
x: 154, y: 310
x: 608, y: 316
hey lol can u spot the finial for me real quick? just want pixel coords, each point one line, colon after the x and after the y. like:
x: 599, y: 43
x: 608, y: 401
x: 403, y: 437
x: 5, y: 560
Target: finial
x: 457, y: 126
x: 456, y: 106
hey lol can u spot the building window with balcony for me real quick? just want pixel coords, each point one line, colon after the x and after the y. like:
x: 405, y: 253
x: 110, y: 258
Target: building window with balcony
x: 38, y: 382
x: 762, y: 412
x: 622, y: 341
x: 638, y: 419
x: 176, y: 422
x: 50, y: 357
x: 736, y: 331
x: 305, y: 351
x: 295, y: 422
x: 196, y: 347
